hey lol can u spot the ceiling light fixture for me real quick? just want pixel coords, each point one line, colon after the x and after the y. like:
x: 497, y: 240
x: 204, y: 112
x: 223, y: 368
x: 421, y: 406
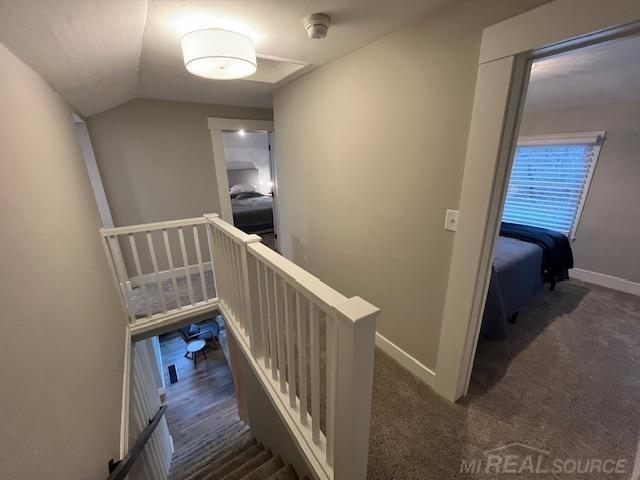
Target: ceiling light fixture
x: 219, y: 54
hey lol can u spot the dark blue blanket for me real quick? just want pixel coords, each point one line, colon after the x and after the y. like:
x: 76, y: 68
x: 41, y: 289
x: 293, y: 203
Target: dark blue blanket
x: 557, y: 257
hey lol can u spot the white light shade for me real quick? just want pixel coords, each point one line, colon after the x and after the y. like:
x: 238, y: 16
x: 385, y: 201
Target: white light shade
x: 219, y: 54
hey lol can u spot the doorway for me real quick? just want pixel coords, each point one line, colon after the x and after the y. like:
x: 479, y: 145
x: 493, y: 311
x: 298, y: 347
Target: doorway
x: 246, y: 173
x: 507, y: 52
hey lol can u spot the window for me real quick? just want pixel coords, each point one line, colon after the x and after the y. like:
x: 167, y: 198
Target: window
x: 550, y: 178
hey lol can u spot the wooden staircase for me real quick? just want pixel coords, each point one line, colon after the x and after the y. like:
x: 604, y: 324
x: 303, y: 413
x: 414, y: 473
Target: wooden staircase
x: 228, y: 453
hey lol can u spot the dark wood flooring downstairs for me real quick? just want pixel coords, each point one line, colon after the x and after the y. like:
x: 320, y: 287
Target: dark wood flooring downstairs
x: 203, y: 397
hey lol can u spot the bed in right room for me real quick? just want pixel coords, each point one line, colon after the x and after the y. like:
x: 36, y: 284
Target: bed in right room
x: 526, y: 259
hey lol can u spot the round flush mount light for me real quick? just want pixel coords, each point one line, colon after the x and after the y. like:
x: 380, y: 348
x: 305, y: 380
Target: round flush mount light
x: 219, y: 54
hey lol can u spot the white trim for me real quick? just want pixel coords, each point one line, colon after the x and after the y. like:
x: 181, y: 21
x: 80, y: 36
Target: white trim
x: 235, y: 124
x: 422, y: 372
x: 84, y: 140
x: 501, y: 84
x: 578, y: 138
x: 173, y: 319
x: 608, y: 281
x: 126, y: 383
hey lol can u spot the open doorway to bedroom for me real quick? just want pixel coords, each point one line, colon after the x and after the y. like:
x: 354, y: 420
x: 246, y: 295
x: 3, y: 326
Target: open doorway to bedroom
x: 559, y: 336
x: 246, y: 175
x: 250, y: 175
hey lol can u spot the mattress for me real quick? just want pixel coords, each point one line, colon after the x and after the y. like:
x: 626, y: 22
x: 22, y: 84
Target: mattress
x: 516, y: 278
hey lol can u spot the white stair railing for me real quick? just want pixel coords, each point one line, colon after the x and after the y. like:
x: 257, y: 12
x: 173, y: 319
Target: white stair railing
x: 161, y: 269
x: 311, y: 347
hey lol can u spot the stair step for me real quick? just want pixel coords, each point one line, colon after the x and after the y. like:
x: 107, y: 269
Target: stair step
x: 209, y: 463
x: 249, y: 466
x: 213, y: 451
x: 231, y: 465
x: 208, y: 442
x: 266, y: 470
x: 285, y: 473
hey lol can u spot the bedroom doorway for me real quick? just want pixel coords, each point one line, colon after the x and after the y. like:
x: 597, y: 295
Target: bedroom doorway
x: 244, y: 157
x: 508, y: 50
x: 541, y: 317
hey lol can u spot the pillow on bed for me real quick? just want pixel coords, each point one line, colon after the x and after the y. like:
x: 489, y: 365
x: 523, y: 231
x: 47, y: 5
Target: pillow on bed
x: 242, y: 188
x: 244, y: 195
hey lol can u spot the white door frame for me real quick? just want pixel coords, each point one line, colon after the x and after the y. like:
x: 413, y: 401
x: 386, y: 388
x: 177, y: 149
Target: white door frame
x: 506, y: 52
x: 217, y: 127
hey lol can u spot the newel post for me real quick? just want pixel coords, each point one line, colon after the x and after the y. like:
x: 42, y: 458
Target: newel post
x: 356, y: 324
x: 249, y: 282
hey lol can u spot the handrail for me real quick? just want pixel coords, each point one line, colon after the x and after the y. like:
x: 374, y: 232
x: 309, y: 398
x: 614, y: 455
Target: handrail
x: 120, y: 469
x: 148, y: 227
x: 278, y: 312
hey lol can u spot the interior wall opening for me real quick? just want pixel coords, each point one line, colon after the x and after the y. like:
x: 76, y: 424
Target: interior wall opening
x: 558, y: 337
x: 251, y: 178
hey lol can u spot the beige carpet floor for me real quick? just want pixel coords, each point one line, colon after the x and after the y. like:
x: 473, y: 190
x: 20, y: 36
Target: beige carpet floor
x: 566, y: 381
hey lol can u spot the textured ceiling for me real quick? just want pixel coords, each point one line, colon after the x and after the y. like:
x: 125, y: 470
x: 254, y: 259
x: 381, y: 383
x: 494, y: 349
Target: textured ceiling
x: 101, y: 53
x: 608, y: 72
x: 87, y: 50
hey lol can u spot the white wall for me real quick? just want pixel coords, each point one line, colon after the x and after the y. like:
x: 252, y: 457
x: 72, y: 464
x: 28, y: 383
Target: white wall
x: 156, y: 158
x: 63, y: 330
x: 608, y: 234
x: 368, y: 167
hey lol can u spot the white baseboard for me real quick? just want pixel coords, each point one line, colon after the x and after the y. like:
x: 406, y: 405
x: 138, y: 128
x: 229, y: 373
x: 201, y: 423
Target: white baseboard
x: 407, y: 361
x: 609, y: 281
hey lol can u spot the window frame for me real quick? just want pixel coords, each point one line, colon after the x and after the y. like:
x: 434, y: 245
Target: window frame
x: 593, y: 139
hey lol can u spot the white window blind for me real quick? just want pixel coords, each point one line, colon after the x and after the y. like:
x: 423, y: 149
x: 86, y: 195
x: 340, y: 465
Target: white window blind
x: 549, y: 180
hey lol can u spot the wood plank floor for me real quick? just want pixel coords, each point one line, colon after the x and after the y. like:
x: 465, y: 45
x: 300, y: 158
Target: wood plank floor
x: 203, y: 396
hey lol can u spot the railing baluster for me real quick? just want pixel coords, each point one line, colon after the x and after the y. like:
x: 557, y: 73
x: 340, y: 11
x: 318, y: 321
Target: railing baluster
x: 332, y: 343
x: 235, y: 294
x: 314, y: 327
x: 154, y: 263
x: 210, y: 243
x: 196, y: 240
x: 185, y: 263
x: 136, y: 262
x: 279, y: 336
x: 302, y: 358
x: 272, y: 328
x: 263, y: 323
x: 291, y: 364
x: 120, y: 283
x: 174, y: 280
x: 233, y: 291
x: 237, y: 268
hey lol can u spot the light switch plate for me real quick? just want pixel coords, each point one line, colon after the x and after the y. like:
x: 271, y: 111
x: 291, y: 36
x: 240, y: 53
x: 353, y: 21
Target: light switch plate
x: 451, y: 220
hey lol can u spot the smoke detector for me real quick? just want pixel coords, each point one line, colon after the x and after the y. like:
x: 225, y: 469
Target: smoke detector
x: 317, y: 25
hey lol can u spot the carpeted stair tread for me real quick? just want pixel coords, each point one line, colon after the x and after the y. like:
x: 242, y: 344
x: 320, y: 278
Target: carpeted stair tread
x: 229, y: 466
x: 210, y: 444
x: 229, y: 452
x: 209, y: 439
x: 285, y: 473
x: 213, y: 453
x: 208, y: 463
x: 249, y: 466
x: 266, y: 470
x: 222, y: 425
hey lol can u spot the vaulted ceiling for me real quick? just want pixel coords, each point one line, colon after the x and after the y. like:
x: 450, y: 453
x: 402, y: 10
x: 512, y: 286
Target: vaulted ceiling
x: 101, y: 53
